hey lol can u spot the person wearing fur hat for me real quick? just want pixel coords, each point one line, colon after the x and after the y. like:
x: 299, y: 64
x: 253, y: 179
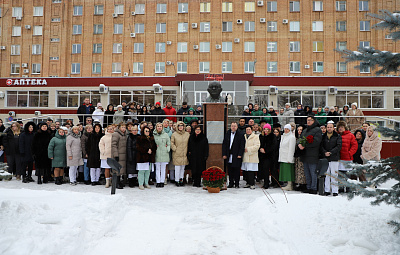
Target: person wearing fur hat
x: 179, y: 147
x: 354, y: 122
x: 119, y: 115
x: 25, y: 148
x: 349, y: 146
x: 98, y: 114
x: 40, y: 143
x: 266, y: 157
x: 371, y: 149
x: 286, y: 157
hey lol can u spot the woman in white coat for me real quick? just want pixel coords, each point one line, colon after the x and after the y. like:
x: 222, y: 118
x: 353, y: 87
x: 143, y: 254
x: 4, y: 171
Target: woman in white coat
x: 250, y: 156
x: 286, y: 157
x: 74, y: 154
x: 105, y: 152
x: 98, y: 114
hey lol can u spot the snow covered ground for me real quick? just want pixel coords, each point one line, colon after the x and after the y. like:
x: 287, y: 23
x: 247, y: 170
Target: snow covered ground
x: 50, y: 219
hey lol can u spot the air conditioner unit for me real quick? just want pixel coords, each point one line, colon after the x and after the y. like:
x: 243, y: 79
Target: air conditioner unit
x: 11, y: 113
x: 239, y: 21
x: 285, y: 21
x: 194, y: 25
x: 24, y: 65
x: 103, y: 88
x: 306, y: 66
x: 26, y: 70
x: 126, y: 74
x: 25, y: 76
x: 115, y: 15
x: 157, y: 88
x: 262, y: 20
x: 273, y: 90
x: 195, y: 47
x: 2, y: 47
x: 169, y: 42
x: 169, y: 63
x: 332, y: 90
x: 133, y: 34
x: 37, y: 113
x: 237, y: 40
x: 18, y: 18
x: 260, y: 3
x: 133, y: 13
x: 27, y: 26
x: 218, y: 46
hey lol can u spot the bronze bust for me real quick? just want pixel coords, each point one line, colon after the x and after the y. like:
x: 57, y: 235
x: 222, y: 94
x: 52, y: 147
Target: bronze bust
x: 215, y: 89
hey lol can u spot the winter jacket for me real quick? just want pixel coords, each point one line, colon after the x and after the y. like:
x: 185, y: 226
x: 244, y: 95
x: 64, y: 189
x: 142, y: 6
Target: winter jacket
x: 189, y: 118
x: 92, y: 150
x: 357, y: 156
x: 105, y: 146
x: 308, y: 112
x: 157, y: 111
x: 163, y: 146
x: 246, y: 117
x: 182, y: 110
x: 198, y: 152
x: 268, y: 118
x: 118, y: 117
x: 268, y: 143
x: 321, y: 117
x: 119, y: 148
x: 25, y: 142
x: 74, y: 149
x: 298, y: 120
x: 143, y: 144
x: 98, y: 116
x: 131, y: 154
x: 108, y: 115
x: 274, y: 120
x: 288, y: 117
x: 332, y: 145
x: 311, y: 151
x: 179, y: 146
x: 255, y: 114
x: 132, y: 115
x: 57, y: 150
x: 11, y: 142
x: 371, y: 149
x: 170, y: 111
x: 252, y: 145
x: 40, y: 144
x: 349, y: 146
x: 332, y: 116
x: 344, y: 113
x: 355, y: 122
x: 84, y: 139
x: 287, y: 148
x: 237, y: 148
x: 82, y: 110
x: 145, y: 116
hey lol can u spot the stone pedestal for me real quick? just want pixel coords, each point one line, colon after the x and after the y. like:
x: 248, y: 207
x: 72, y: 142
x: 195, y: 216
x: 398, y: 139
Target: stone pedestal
x: 215, y: 121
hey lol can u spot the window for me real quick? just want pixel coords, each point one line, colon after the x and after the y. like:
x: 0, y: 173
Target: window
x: 161, y: 8
x: 226, y: 7
x: 397, y: 99
x: 341, y: 45
x: 182, y: 27
x: 117, y: 48
x: 144, y: 97
x: 249, y: 47
x: 160, y: 47
x: 205, y: 7
x: 365, y: 68
x: 226, y: 67
x: 36, y: 49
x: 272, y: 46
x: 249, y: 6
x: 17, y: 12
x: 226, y: 26
x: 36, y: 68
x: 272, y: 26
x: 138, y: 48
x: 364, y: 99
x: 116, y: 67
x: 226, y: 46
x: 160, y: 67
x: 37, y: 30
x: 341, y: 67
x: 76, y: 48
x: 272, y: 6
x: 77, y: 29
x: 261, y: 97
x: 97, y: 48
x: 183, y: 7
x: 249, y: 26
x: 118, y: 28
x: 74, y: 98
x: 97, y: 29
x: 161, y: 28
x: 318, y: 26
x: 204, y: 47
x: 182, y: 67
x: 294, y: 26
x: 364, y: 44
x: 341, y: 26
x: 55, y: 19
x: 363, y: 6
x: 38, y: 11
x: 139, y: 28
x: 75, y: 68
x: 15, y: 69
x: 138, y: 67
x: 139, y: 9
x: 27, y: 98
x: 204, y: 67
x: 318, y: 67
x: 313, y: 98
x: 341, y: 6
x: 98, y: 9
x: 1, y: 13
x: 272, y: 66
x: 182, y: 47
x: 205, y: 27
x: 294, y: 46
x: 15, y: 49
x: 365, y: 25
x: 54, y: 39
x: 16, y: 31
x: 170, y: 95
x: 249, y: 67
x: 294, y: 66
x: 119, y: 9
x: 294, y: 6
x: 318, y: 6
x: 318, y: 46
x: 78, y: 10
x: 96, y: 68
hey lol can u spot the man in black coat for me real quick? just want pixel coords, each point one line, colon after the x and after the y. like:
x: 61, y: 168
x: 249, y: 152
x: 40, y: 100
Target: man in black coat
x: 300, y: 112
x: 232, y: 153
x: 86, y: 108
x: 272, y: 112
x: 157, y: 111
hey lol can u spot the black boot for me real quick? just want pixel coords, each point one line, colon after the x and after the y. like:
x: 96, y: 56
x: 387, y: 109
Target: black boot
x: 25, y: 179
x: 119, y: 183
x: 39, y: 179
x: 80, y: 178
x: 45, y: 175
x: 131, y: 182
x: 58, y: 180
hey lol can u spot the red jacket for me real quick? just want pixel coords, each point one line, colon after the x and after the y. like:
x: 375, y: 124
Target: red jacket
x: 349, y: 146
x: 170, y: 111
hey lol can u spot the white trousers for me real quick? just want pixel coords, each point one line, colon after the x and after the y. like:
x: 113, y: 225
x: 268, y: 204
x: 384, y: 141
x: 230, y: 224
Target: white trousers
x: 95, y: 174
x: 73, y: 171
x: 160, y: 171
x: 331, y: 177
x: 179, y: 172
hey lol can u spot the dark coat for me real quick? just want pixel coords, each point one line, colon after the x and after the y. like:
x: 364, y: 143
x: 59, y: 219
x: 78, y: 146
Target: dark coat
x: 145, y: 116
x: 198, y: 152
x: 93, y: 150
x: 311, y: 152
x: 246, y: 116
x: 143, y: 144
x: 25, y: 142
x: 268, y: 143
x: 84, y: 139
x: 11, y: 142
x: 308, y: 111
x: 333, y: 145
x: 236, y: 150
x: 357, y: 156
x: 274, y: 119
x: 157, y: 111
x: 82, y: 110
x: 108, y: 115
x: 300, y: 121
x: 332, y: 117
x: 131, y: 154
x: 40, y: 144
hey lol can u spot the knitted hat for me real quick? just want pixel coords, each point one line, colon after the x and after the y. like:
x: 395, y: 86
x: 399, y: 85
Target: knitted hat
x: 158, y: 103
x: 246, y: 108
x: 270, y: 107
x: 287, y: 104
x: 288, y: 126
x: 355, y: 104
x: 99, y: 105
x: 267, y: 126
x: 119, y: 106
x: 64, y: 128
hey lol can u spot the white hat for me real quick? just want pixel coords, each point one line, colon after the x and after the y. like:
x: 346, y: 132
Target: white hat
x: 270, y: 107
x: 64, y: 128
x: 354, y: 104
x: 287, y: 104
x: 331, y: 122
x: 99, y: 104
x: 119, y: 106
x: 288, y: 126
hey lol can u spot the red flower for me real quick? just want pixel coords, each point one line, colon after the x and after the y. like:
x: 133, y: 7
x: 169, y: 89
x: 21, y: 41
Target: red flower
x: 310, y: 139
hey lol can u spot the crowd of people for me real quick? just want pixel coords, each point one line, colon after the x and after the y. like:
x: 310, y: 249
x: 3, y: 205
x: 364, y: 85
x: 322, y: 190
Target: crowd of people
x: 273, y: 148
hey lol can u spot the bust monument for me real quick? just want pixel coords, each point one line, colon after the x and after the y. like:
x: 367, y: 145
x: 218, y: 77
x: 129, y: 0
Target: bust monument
x: 215, y: 89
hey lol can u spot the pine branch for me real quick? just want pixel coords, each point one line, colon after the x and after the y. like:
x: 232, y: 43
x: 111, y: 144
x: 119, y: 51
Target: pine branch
x: 389, y: 21
x: 396, y: 226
